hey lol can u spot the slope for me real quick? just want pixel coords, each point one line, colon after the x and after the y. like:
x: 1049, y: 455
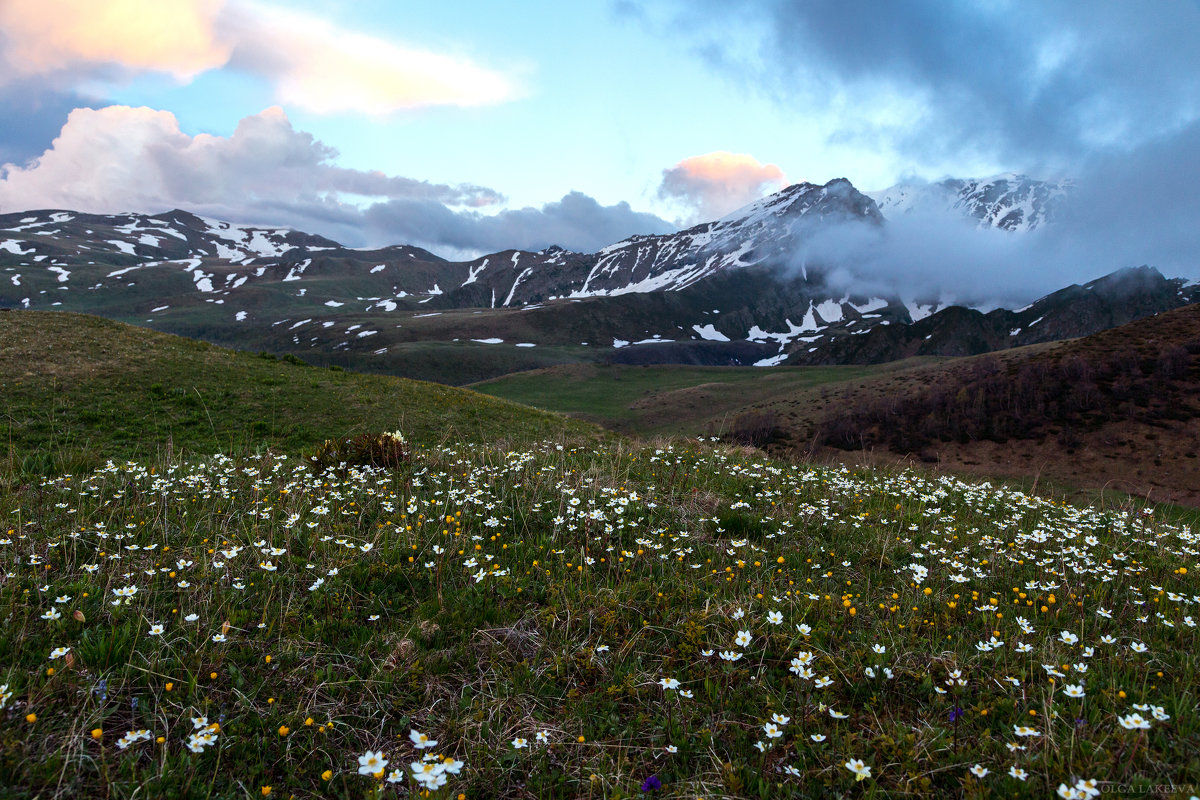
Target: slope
x: 1116, y: 409
x: 76, y: 390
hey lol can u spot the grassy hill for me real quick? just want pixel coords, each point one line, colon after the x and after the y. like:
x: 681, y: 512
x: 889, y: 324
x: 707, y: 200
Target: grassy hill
x: 1114, y: 410
x: 77, y: 390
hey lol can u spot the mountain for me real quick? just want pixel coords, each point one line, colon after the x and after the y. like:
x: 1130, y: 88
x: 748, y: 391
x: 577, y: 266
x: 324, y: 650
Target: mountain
x: 740, y: 290
x: 1011, y: 201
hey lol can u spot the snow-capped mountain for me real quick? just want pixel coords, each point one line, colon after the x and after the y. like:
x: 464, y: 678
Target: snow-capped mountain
x: 744, y: 289
x: 1010, y: 201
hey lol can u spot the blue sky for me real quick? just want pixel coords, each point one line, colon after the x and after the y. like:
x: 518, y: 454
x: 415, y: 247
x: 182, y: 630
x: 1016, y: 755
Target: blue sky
x: 456, y: 125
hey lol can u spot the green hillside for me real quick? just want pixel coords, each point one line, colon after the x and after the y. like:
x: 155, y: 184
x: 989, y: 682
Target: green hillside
x: 77, y: 390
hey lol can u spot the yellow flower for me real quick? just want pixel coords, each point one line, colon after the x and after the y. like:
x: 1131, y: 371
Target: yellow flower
x: 284, y: 730
x: 327, y: 775
x: 31, y: 717
x: 266, y: 790
x: 97, y: 733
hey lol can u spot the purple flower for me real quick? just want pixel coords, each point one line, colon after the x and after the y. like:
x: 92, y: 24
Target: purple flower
x: 955, y: 713
x: 651, y: 783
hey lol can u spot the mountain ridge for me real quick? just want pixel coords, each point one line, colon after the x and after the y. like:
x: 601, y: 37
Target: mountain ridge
x: 742, y: 289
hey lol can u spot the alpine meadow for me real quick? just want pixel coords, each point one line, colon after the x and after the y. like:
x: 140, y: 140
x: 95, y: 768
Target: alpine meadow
x: 622, y: 400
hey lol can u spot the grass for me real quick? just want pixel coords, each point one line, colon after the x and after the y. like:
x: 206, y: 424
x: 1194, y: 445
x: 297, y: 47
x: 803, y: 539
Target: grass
x: 650, y: 400
x: 76, y: 391
x: 484, y: 596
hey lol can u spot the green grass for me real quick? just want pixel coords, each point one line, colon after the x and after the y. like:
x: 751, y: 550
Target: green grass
x: 672, y: 399
x: 76, y: 391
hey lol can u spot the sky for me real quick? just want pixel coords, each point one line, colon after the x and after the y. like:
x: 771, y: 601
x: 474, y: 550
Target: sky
x: 468, y: 127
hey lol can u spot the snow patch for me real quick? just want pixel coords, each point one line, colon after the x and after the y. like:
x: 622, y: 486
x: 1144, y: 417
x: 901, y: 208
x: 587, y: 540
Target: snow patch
x: 709, y: 333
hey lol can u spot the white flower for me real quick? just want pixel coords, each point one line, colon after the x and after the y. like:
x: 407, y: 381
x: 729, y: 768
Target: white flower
x: 218, y: 637
x: 1018, y: 773
x: 743, y: 638
x: 772, y: 730
x: 1025, y: 730
x: 420, y: 740
x: 1134, y: 722
x: 1138, y: 647
x: 859, y: 768
x: 58, y: 652
x: 1068, y: 638
x: 804, y: 630
x: 191, y: 618
x: 979, y: 771
x: 879, y: 649
x: 542, y: 737
x: 774, y: 617
x: 817, y: 737
x: 1073, y: 690
x: 780, y: 719
x: 729, y: 655
x: 668, y: 683
x: 371, y: 762
x: 518, y: 743
x: 52, y: 614
x: 156, y: 629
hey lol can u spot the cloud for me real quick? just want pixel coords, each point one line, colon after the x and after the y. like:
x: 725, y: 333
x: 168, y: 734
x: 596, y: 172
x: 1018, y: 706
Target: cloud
x: 1019, y: 81
x: 311, y: 62
x: 179, y: 38
x: 577, y: 222
x: 326, y: 69
x: 1126, y: 209
x: 714, y: 184
x: 119, y: 159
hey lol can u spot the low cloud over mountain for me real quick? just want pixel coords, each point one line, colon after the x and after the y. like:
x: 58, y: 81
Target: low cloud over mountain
x: 118, y: 159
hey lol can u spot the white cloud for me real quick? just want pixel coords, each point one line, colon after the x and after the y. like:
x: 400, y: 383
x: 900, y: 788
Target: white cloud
x: 120, y: 159
x: 326, y: 69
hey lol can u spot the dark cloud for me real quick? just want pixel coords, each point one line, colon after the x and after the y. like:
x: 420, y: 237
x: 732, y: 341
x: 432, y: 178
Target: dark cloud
x: 1126, y: 209
x: 1034, y: 81
x: 577, y: 222
x: 34, y: 117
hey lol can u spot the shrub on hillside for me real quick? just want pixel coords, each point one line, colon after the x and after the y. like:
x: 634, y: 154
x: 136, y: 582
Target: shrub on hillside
x: 382, y: 450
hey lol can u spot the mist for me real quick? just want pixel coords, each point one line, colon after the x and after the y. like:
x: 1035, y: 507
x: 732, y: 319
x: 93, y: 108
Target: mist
x: 1126, y: 209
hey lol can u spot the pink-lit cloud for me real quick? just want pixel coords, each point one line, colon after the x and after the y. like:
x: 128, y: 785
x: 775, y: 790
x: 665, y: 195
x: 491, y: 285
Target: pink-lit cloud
x: 180, y: 38
x: 711, y: 185
x: 310, y: 62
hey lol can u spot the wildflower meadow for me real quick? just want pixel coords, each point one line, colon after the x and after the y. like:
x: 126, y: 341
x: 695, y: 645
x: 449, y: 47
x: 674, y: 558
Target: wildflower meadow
x: 688, y: 620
